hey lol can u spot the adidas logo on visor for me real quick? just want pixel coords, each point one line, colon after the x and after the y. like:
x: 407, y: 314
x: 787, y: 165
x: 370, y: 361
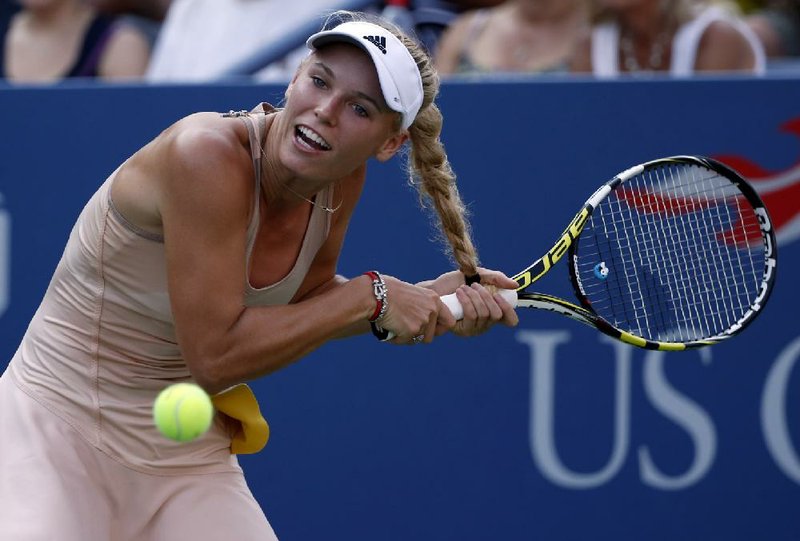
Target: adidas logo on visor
x: 378, y: 41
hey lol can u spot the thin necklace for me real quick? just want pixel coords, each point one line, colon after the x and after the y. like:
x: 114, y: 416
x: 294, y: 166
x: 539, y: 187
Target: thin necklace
x: 656, y: 56
x: 325, y: 208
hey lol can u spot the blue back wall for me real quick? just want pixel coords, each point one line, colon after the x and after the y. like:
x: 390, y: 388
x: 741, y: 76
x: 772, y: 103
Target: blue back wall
x: 546, y: 431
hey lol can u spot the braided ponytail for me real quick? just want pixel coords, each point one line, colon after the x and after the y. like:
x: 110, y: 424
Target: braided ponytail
x: 428, y: 169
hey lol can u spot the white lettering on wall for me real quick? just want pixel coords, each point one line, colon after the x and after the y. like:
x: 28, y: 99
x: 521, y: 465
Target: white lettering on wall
x: 685, y: 413
x: 672, y: 404
x: 542, y: 347
x: 773, y: 412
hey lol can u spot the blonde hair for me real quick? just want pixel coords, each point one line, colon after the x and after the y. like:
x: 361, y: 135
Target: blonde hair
x: 428, y: 168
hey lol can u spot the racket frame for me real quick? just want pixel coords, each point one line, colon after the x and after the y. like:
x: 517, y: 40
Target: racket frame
x: 568, y: 241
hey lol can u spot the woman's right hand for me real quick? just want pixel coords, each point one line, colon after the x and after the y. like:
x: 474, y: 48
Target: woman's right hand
x: 414, y: 311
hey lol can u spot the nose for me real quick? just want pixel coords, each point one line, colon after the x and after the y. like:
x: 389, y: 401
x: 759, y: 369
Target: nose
x: 327, y: 110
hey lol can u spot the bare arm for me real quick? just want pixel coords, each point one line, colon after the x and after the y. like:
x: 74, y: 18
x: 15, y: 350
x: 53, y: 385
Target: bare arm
x: 126, y: 55
x: 581, y: 61
x: 204, y: 201
x: 451, y: 44
x: 723, y: 48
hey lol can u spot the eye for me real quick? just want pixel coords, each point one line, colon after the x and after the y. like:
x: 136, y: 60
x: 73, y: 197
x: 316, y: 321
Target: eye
x: 319, y: 83
x: 360, y: 110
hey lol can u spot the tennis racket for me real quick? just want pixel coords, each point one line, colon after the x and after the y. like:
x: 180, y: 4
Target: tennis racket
x: 671, y: 254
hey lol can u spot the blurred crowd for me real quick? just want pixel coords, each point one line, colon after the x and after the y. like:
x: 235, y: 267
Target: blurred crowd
x: 45, y: 41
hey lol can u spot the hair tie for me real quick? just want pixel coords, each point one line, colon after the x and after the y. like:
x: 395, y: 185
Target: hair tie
x: 470, y: 279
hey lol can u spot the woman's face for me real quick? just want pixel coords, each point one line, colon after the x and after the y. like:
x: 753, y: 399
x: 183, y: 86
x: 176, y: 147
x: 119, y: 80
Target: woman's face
x: 335, y: 115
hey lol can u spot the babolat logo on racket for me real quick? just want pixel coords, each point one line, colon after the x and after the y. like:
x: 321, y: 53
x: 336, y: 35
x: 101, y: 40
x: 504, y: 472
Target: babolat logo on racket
x: 377, y: 41
x: 690, y: 246
x: 769, y: 269
x: 765, y: 225
x: 557, y: 251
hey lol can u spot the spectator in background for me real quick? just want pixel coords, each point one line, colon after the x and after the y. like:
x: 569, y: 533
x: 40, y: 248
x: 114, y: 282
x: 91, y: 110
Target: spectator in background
x: 528, y: 36
x: 200, y: 40
x: 678, y: 37
x: 47, y: 41
x: 432, y: 17
x: 777, y: 25
x: 154, y: 10
x: 146, y: 15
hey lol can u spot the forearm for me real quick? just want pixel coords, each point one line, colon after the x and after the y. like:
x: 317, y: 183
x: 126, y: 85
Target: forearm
x: 265, y: 339
x: 359, y: 327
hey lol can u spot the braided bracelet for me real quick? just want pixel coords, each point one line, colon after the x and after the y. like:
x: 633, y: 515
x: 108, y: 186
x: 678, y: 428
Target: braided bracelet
x: 381, y: 292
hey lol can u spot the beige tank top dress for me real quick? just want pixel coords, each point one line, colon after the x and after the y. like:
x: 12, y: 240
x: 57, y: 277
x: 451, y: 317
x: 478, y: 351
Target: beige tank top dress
x: 78, y: 393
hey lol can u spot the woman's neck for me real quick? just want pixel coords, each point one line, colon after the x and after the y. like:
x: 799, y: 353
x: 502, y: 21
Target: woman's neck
x: 646, y: 21
x: 542, y: 11
x: 275, y: 177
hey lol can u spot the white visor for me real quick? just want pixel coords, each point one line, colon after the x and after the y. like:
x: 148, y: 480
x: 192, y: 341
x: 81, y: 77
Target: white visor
x: 398, y: 74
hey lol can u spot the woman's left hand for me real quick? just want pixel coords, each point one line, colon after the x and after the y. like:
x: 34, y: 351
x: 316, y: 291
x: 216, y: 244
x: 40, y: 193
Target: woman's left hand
x: 482, y: 307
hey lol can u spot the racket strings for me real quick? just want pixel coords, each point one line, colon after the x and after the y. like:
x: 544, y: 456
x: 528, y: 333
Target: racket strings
x: 697, y: 292
x: 684, y: 251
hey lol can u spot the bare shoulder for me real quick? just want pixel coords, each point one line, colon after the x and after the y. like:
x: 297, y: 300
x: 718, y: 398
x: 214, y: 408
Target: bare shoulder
x: 201, y: 163
x: 460, y: 26
x: 581, y: 58
x: 452, y: 42
x: 127, y: 53
x: 203, y: 140
x: 206, y: 164
x: 724, y: 47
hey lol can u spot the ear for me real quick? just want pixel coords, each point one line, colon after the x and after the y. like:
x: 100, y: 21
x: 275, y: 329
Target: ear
x: 390, y: 147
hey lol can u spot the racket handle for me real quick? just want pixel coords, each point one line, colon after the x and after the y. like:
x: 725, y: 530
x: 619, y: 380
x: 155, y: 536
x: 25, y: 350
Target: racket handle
x: 451, y: 301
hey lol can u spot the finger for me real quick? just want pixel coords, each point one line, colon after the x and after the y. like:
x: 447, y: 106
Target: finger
x: 496, y: 278
x: 430, y: 328
x: 464, y: 295
x: 510, y: 316
x: 481, y: 298
x: 470, y: 313
x: 441, y: 329
x: 476, y: 318
x: 495, y: 313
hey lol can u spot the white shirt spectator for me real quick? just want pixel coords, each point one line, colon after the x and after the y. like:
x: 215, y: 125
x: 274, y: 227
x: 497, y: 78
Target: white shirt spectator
x: 605, y: 44
x: 201, y: 40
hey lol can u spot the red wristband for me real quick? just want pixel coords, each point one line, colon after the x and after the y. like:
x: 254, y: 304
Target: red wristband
x: 380, y: 291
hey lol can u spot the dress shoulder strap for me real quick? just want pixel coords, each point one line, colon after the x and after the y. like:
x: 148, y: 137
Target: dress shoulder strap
x: 255, y: 128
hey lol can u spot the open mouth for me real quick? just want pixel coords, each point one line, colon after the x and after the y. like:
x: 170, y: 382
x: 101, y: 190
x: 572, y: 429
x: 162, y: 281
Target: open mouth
x: 310, y: 138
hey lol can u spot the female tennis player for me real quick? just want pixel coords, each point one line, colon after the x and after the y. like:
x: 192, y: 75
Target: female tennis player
x: 210, y: 255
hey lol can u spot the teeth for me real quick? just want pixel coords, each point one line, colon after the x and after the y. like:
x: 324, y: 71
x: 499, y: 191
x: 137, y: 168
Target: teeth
x: 314, y: 136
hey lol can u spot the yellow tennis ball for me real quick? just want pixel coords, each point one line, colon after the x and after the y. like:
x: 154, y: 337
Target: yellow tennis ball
x: 183, y: 412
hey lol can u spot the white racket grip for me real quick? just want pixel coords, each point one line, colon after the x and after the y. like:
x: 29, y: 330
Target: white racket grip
x: 451, y: 301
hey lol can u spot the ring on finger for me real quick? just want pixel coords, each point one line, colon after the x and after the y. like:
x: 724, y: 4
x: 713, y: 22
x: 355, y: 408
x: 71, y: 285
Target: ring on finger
x: 417, y: 339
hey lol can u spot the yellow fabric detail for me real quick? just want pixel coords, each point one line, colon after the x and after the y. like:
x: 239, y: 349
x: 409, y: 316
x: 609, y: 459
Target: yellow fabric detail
x: 240, y: 404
